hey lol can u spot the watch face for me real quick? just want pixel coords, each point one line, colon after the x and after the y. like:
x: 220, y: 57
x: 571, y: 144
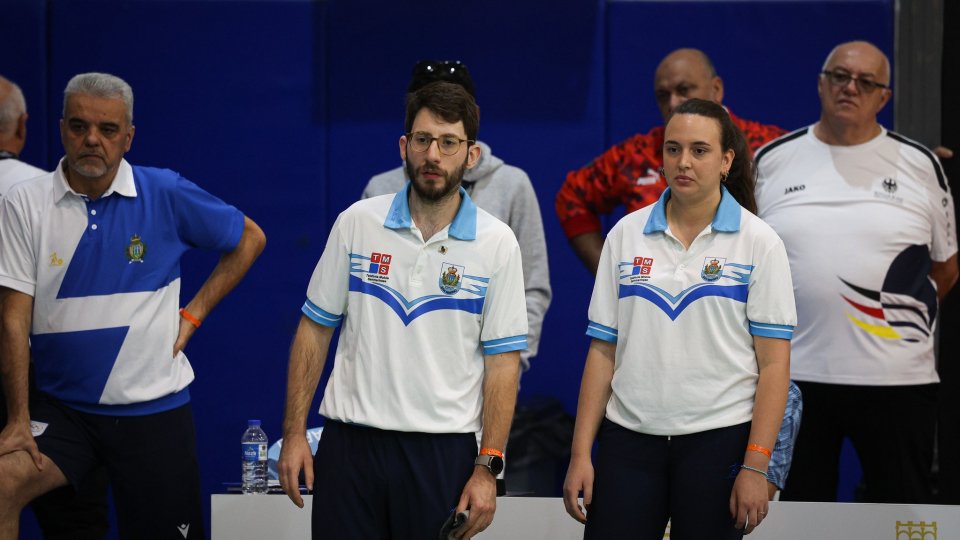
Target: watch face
x: 496, y: 465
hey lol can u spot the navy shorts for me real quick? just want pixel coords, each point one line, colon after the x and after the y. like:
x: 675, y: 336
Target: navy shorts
x: 373, y: 483
x: 69, y: 513
x: 641, y: 481
x: 151, y: 461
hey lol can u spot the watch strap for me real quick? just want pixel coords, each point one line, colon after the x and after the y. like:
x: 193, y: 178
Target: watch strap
x: 493, y: 464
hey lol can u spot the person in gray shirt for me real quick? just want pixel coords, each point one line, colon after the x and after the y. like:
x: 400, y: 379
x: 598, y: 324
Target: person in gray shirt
x: 502, y: 190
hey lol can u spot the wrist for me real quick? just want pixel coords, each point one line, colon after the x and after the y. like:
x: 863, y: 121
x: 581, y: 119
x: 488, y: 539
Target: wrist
x: 756, y: 460
x: 492, y: 463
x: 18, y: 419
x: 190, y: 318
x: 582, y: 451
x: 294, y: 430
x: 578, y: 456
x: 482, y: 471
x: 755, y: 471
x: 762, y: 450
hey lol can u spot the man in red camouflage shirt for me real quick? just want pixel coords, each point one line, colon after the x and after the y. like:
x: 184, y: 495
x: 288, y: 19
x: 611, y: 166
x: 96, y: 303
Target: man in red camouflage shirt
x: 628, y: 173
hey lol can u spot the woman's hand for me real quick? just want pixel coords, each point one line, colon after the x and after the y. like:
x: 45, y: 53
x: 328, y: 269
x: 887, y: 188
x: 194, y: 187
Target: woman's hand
x: 748, y: 501
x: 579, y: 479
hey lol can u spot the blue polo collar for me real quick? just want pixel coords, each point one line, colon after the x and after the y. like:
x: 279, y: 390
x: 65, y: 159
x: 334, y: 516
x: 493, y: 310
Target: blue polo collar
x: 464, y: 225
x: 727, y: 218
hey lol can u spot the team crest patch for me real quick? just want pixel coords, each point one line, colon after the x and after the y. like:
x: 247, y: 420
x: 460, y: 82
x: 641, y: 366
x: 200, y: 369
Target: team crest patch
x: 712, y: 268
x: 136, y: 250
x: 450, y: 277
x: 889, y: 185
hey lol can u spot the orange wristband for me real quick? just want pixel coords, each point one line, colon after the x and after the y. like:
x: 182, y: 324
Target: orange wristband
x: 758, y: 448
x: 190, y: 318
x: 491, y: 452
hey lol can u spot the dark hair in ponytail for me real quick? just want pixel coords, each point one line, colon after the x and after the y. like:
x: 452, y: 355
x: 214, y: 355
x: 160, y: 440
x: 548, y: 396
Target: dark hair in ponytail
x: 741, y: 180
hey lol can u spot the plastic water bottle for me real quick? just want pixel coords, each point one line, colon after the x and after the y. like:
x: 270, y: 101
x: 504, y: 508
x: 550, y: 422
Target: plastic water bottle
x: 254, y: 444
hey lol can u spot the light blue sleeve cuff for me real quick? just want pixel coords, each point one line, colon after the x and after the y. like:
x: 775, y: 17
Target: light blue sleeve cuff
x: 319, y: 316
x: 601, y: 332
x: 504, y: 345
x: 778, y: 331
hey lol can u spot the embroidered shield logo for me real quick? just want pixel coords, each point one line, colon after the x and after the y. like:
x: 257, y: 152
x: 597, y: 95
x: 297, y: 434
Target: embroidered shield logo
x: 712, y: 268
x: 136, y: 250
x: 450, y: 277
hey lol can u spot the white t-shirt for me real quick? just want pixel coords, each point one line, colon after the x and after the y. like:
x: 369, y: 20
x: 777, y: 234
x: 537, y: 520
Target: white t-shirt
x: 14, y: 171
x: 684, y: 319
x: 418, y: 316
x: 861, y: 225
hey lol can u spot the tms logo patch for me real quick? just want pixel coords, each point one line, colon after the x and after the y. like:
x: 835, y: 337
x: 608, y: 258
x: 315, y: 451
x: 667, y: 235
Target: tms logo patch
x: 642, y: 266
x: 380, y: 263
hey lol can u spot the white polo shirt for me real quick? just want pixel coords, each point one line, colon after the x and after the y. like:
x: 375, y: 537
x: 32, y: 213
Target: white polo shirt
x: 105, y: 280
x: 418, y: 316
x: 861, y: 225
x: 684, y: 319
x: 14, y: 171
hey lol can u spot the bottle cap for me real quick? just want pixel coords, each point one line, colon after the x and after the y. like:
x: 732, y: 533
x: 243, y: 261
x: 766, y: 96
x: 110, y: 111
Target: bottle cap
x: 253, y: 423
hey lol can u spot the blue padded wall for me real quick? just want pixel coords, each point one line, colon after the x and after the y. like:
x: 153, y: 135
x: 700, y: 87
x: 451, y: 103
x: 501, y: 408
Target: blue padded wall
x: 286, y: 108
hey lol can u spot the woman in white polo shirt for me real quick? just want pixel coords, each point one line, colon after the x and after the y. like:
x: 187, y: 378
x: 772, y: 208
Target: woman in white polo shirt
x: 686, y: 377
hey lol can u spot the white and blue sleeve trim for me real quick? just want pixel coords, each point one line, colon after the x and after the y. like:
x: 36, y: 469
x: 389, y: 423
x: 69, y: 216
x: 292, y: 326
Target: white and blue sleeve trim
x: 504, y: 345
x: 320, y: 316
x: 601, y: 332
x: 779, y: 331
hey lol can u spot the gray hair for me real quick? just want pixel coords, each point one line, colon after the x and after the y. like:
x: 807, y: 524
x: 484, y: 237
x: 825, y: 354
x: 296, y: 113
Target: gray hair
x: 12, y: 105
x: 101, y: 85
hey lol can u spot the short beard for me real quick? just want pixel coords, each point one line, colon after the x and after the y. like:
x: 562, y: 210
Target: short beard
x: 88, y: 172
x: 450, y: 185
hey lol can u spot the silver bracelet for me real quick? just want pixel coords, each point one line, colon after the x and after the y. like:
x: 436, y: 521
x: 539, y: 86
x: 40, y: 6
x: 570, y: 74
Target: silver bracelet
x: 748, y: 468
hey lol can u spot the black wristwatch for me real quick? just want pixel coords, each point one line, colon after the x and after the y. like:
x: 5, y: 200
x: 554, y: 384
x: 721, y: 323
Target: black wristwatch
x: 492, y: 463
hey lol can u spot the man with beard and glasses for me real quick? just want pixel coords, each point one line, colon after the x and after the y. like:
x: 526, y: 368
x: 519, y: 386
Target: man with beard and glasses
x: 426, y: 356
x: 501, y: 189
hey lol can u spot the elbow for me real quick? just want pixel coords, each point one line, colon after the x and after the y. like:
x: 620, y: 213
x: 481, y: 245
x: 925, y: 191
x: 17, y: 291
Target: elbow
x: 255, y: 237
x: 948, y: 285
x: 261, y: 242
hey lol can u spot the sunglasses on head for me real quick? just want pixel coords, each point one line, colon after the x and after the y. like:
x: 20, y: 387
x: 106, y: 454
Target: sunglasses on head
x: 452, y: 71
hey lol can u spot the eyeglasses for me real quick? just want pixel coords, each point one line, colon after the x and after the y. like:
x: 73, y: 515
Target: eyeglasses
x: 453, y: 71
x: 448, y: 145
x: 842, y: 78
